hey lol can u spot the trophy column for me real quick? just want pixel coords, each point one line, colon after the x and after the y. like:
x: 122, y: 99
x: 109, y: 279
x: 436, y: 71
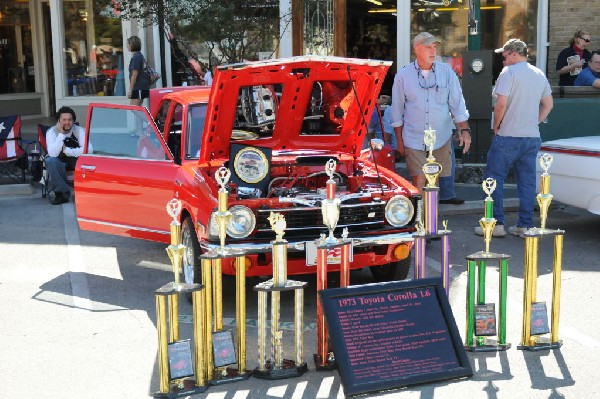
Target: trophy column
x: 189, y: 378
x: 535, y: 316
x: 277, y: 367
x: 481, y: 316
x: 330, y: 208
x: 427, y: 226
x: 219, y: 343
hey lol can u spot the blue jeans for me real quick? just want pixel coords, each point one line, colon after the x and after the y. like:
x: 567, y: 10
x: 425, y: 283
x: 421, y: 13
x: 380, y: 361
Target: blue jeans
x: 520, y: 153
x: 447, y: 183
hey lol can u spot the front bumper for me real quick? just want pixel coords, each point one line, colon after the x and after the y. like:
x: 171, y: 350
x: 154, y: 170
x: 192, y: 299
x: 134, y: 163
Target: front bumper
x: 237, y: 249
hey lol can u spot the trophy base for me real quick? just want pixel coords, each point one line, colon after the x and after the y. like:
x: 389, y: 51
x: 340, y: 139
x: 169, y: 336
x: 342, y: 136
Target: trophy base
x: 489, y: 346
x: 543, y: 344
x: 185, y: 387
x: 289, y: 370
x: 231, y: 375
x: 324, y: 366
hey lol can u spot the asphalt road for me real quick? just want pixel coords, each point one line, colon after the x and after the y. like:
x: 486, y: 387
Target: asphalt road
x: 78, y: 316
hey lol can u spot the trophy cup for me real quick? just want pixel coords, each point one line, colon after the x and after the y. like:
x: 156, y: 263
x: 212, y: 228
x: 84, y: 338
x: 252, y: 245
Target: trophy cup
x: 175, y: 250
x: 176, y: 382
x: 544, y: 197
x: 277, y: 367
x: 487, y: 222
x: 223, y: 215
x: 432, y: 170
x: 535, y: 318
x: 481, y: 316
x: 330, y: 207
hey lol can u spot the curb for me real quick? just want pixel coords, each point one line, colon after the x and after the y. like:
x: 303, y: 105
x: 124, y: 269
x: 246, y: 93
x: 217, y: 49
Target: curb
x: 17, y: 189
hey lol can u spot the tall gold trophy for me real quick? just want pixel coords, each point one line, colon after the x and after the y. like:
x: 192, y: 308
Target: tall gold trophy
x: 219, y: 343
x: 277, y: 367
x: 190, y: 377
x: 481, y: 316
x: 535, y: 318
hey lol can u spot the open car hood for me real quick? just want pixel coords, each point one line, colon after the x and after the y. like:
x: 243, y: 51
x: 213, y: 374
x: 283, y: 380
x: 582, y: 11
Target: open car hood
x: 298, y: 103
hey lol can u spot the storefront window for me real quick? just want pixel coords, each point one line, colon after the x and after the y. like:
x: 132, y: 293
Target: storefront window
x: 17, y: 73
x: 93, y: 50
x: 499, y: 21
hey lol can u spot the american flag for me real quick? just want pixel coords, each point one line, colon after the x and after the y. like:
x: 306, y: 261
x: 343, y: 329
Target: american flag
x: 10, y: 131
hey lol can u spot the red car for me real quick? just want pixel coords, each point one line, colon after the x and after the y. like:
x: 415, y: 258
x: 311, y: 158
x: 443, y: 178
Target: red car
x: 274, y: 124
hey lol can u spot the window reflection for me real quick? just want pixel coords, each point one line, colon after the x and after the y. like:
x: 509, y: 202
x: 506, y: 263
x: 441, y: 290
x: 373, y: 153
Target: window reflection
x: 17, y: 73
x: 93, y: 50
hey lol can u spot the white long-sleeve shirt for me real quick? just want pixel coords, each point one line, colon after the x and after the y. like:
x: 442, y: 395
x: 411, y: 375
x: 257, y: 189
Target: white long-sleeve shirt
x: 55, y: 141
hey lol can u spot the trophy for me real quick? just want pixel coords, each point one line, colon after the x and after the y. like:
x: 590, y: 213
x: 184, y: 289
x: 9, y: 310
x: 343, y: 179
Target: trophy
x: 277, y: 367
x: 330, y: 207
x: 223, y: 215
x: 189, y: 377
x: 487, y: 222
x: 175, y: 250
x: 481, y: 316
x: 432, y: 170
x: 544, y: 197
x: 535, y: 318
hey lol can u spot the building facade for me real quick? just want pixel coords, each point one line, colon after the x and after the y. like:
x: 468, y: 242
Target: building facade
x: 71, y: 52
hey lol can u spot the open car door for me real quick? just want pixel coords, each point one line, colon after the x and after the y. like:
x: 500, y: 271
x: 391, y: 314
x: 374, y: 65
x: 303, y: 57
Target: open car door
x: 126, y: 175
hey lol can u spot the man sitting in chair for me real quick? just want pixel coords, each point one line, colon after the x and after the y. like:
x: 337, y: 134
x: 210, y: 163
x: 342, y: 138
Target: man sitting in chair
x: 65, y: 143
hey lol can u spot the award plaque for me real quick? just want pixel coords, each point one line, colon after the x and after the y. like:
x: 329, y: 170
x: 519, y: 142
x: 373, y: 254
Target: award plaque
x: 180, y: 359
x: 539, y: 318
x: 223, y: 349
x: 485, y: 319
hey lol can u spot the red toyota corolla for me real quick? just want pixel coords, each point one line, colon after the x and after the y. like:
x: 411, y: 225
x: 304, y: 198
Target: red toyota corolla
x: 274, y: 124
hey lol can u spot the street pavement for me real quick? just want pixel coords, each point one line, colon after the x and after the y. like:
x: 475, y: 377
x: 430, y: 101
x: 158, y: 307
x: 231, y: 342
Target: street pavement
x: 79, y: 316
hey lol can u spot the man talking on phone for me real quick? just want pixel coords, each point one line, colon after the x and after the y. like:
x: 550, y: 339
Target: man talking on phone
x: 65, y: 143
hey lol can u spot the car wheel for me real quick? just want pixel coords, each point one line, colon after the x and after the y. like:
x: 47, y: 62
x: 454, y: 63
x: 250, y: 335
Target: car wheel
x: 392, y: 271
x: 191, y: 266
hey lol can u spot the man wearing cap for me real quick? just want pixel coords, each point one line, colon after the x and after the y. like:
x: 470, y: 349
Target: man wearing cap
x: 427, y: 95
x: 523, y: 101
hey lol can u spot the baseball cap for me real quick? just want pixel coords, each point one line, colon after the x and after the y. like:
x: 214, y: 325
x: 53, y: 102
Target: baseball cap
x: 514, y: 45
x: 425, y: 38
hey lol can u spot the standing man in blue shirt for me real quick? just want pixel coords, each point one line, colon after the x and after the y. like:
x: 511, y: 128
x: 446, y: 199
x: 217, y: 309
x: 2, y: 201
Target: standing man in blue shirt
x: 427, y: 95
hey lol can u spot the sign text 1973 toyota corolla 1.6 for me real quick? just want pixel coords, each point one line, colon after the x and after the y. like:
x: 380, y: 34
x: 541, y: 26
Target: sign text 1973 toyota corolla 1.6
x: 274, y: 124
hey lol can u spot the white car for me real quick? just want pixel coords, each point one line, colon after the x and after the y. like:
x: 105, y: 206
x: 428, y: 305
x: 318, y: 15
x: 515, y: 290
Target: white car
x: 575, y: 171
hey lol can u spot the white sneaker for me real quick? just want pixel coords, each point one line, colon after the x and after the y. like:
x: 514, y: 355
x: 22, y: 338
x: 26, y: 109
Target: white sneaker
x: 497, y: 232
x: 517, y: 231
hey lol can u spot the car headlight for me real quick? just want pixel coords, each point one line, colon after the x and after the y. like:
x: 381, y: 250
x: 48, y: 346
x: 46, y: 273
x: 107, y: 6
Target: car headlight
x: 240, y: 225
x: 399, y: 211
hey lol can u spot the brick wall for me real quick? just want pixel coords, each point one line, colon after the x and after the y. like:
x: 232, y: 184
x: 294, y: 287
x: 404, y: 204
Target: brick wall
x: 566, y: 17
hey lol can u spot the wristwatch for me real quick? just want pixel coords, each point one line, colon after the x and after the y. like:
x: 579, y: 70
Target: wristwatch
x: 468, y: 129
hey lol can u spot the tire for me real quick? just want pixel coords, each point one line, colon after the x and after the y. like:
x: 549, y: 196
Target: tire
x: 190, y: 264
x: 392, y: 271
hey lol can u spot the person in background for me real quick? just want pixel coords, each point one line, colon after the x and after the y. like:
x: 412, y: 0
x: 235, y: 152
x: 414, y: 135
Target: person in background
x: 208, y: 76
x: 427, y: 95
x: 139, y: 82
x: 590, y: 76
x: 64, y: 142
x: 574, y: 58
x: 523, y: 101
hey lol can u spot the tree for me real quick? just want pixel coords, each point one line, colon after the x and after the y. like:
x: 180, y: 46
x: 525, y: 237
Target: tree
x: 233, y: 31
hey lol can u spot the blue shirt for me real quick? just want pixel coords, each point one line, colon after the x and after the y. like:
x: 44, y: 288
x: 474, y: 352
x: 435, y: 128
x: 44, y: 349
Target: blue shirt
x: 420, y: 102
x: 586, y: 77
x: 387, y: 126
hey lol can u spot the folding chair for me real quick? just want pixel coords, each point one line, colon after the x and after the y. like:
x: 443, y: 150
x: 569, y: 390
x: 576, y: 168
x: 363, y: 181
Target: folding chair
x: 13, y: 158
x: 45, y: 177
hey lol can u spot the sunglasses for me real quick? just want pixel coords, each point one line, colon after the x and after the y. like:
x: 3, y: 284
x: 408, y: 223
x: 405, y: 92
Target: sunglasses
x: 585, y: 40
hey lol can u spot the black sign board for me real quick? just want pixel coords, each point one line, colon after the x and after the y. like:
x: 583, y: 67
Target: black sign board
x: 223, y: 350
x: 180, y: 359
x: 390, y: 335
